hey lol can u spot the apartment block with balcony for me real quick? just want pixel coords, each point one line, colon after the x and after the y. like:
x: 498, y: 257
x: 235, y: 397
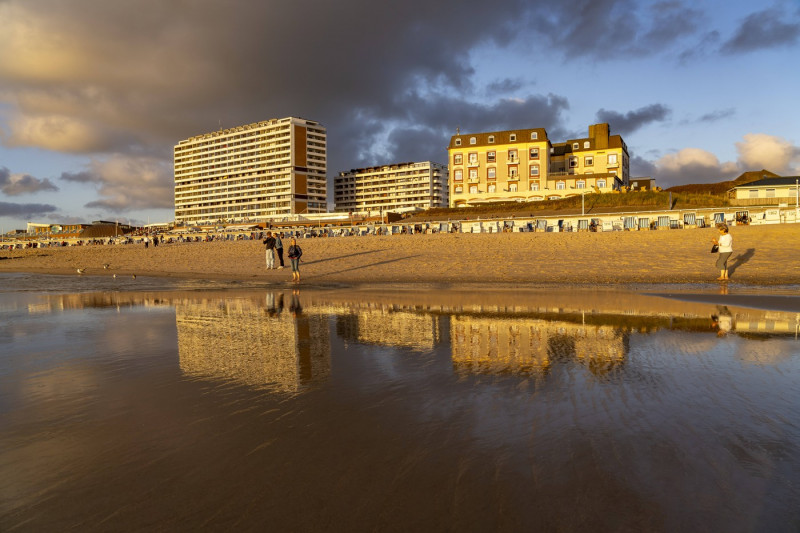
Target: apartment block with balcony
x: 391, y: 188
x: 252, y: 173
x: 524, y: 165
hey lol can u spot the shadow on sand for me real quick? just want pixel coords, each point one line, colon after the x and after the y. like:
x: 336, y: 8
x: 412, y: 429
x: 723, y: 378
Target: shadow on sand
x: 740, y: 259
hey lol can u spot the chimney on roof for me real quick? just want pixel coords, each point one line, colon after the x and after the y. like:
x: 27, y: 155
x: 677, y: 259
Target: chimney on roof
x: 599, y: 133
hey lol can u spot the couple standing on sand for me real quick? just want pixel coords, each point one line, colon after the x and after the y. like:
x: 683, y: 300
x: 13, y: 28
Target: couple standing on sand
x: 275, y: 245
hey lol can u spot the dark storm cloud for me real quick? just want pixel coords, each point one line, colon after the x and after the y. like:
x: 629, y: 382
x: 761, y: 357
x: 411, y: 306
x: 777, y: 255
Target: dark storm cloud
x: 631, y: 121
x: 504, y: 86
x: 25, y: 210
x: 642, y: 167
x: 769, y: 28
x: 15, y: 185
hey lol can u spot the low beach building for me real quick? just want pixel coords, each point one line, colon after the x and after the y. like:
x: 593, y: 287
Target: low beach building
x: 769, y: 191
x: 394, y: 188
x: 252, y: 173
x: 524, y: 165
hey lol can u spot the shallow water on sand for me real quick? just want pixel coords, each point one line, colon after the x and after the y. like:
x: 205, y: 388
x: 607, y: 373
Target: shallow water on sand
x: 175, y: 408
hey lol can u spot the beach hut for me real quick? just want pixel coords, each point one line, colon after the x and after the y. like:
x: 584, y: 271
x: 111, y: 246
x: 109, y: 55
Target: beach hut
x: 629, y: 223
x: 644, y: 223
x: 663, y: 222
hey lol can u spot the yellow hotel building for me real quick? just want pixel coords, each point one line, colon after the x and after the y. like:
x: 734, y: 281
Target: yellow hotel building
x: 523, y: 165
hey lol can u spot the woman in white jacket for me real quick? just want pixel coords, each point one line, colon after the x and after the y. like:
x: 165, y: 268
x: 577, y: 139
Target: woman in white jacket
x: 725, y: 243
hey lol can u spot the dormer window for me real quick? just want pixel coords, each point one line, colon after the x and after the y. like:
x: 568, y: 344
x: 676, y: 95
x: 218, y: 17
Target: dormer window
x: 512, y: 137
x: 458, y: 142
x: 472, y: 140
x: 534, y: 135
x: 575, y: 146
x: 491, y: 139
x: 586, y: 144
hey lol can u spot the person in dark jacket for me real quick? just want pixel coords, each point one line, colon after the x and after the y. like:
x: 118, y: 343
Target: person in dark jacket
x: 269, y: 242
x: 294, y: 253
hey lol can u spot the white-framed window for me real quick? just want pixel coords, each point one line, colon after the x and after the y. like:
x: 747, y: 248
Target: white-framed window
x: 491, y: 173
x: 473, y: 189
x: 534, y: 186
x: 534, y: 135
x: 512, y: 172
x: 573, y: 162
x: 458, y: 159
x: 473, y: 140
x: 560, y: 185
x: 458, y: 174
x: 586, y: 144
x: 512, y: 137
x: 533, y: 153
x: 458, y: 142
x: 601, y: 184
x: 459, y: 189
x: 753, y: 193
x: 770, y: 193
x: 580, y: 184
x: 492, y: 187
x: 575, y: 146
x: 490, y: 156
x: 512, y: 155
x: 473, y: 158
x: 612, y: 159
x: 534, y: 170
x: 588, y: 161
x: 512, y: 187
x: 491, y: 139
x: 473, y: 173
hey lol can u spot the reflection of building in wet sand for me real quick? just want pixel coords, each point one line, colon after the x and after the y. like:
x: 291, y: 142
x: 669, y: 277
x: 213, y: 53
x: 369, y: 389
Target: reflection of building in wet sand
x: 387, y: 327
x: 525, y: 345
x: 242, y: 341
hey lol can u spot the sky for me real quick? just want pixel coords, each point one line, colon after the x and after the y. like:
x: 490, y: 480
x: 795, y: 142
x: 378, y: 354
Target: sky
x: 94, y: 94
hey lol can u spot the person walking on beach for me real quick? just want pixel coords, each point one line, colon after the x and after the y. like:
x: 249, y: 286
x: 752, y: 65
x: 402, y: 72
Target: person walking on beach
x: 294, y: 253
x: 269, y: 242
x: 146, y: 241
x: 725, y: 243
x: 279, y: 250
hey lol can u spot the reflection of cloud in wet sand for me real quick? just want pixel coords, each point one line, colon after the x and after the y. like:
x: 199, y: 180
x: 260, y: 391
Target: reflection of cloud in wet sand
x: 242, y: 341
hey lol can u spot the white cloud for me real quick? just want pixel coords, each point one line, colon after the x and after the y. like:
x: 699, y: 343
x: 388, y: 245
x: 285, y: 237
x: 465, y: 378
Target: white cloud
x: 757, y: 151
x: 126, y: 182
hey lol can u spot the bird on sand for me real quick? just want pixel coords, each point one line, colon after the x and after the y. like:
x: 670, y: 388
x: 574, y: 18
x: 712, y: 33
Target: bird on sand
x: 105, y: 266
x: 133, y: 276
x: 81, y: 270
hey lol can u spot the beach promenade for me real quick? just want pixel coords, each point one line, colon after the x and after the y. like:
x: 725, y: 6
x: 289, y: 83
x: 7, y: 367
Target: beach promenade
x: 763, y: 255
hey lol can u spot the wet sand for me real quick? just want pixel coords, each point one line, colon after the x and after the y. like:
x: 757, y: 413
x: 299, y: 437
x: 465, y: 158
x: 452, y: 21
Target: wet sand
x: 763, y: 255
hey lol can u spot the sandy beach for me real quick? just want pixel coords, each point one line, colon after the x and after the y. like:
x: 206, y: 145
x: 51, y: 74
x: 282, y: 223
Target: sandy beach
x: 763, y: 255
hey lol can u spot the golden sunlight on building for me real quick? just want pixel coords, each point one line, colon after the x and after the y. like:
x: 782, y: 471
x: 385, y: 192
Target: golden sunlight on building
x: 523, y: 165
x: 245, y: 342
x: 386, y: 327
x: 532, y: 346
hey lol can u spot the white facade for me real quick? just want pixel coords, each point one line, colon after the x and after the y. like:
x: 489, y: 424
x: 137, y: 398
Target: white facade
x: 252, y: 173
x: 391, y: 188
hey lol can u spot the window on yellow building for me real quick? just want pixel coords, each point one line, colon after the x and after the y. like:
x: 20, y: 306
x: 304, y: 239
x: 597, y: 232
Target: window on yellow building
x: 534, y: 153
x: 490, y: 156
x: 612, y: 159
x: 473, y: 189
x: 458, y: 159
x: 588, y: 161
x: 512, y: 187
x: 512, y: 155
x: 492, y: 187
x: 573, y: 162
x: 560, y: 185
x: 458, y: 174
x: 534, y: 170
x: 491, y: 173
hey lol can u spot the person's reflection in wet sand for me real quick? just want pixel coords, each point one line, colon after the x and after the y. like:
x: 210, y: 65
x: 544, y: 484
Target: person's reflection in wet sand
x: 722, y: 322
x: 294, y: 306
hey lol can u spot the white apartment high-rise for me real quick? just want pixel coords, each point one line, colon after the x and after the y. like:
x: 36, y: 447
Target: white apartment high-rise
x: 252, y: 173
x: 397, y: 188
